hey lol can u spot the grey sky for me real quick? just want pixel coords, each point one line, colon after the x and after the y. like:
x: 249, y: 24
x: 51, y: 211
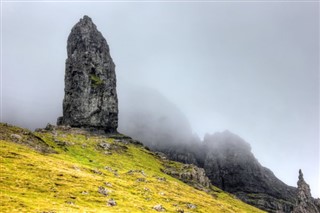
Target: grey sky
x: 250, y: 67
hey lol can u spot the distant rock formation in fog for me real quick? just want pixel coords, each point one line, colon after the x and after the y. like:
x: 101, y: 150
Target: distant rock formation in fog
x: 90, y: 99
x: 230, y: 165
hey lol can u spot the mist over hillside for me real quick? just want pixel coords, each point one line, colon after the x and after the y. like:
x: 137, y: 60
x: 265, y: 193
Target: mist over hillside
x: 150, y: 117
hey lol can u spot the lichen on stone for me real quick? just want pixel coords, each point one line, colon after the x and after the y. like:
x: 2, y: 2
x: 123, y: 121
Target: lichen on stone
x: 96, y: 80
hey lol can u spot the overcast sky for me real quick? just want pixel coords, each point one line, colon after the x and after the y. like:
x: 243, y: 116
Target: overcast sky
x: 249, y: 67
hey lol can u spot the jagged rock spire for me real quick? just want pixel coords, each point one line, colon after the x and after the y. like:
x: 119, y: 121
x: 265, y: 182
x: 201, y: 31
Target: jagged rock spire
x: 305, y: 202
x: 90, y: 99
x: 303, y: 187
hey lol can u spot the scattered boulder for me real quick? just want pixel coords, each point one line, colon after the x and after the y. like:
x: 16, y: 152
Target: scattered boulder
x: 76, y: 168
x: 104, y: 145
x: 161, y: 178
x: 159, y: 208
x: 70, y: 202
x: 109, y: 168
x: 49, y: 127
x: 103, y: 191
x: 61, y: 143
x: 141, y: 180
x: 146, y: 189
x: 16, y: 137
x: 112, y: 147
x: 107, y: 153
x: 114, y: 171
x: 131, y: 172
x: 191, y: 206
x: 118, y: 147
x: 108, y: 184
x: 161, y: 155
x: 96, y: 171
x: 111, y: 202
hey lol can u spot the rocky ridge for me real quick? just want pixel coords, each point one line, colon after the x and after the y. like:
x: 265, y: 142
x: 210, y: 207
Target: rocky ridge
x: 90, y: 99
x: 230, y: 165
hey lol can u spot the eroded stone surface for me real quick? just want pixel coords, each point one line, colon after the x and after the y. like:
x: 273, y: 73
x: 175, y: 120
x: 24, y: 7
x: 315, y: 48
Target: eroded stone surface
x: 189, y: 174
x: 90, y: 99
x: 305, y: 202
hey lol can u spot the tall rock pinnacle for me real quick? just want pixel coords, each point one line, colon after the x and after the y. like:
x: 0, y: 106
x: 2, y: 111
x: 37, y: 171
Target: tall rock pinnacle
x: 305, y: 203
x: 90, y: 99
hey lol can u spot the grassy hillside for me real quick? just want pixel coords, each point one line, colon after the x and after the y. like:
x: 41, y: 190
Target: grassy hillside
x: 70, y: 170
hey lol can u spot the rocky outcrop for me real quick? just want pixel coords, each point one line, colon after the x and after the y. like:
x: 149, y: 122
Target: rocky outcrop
x: 90, y: 99
x: 305, y: 202
x: 231, y: 166
x: 24, y: 137
x: 189, y: 174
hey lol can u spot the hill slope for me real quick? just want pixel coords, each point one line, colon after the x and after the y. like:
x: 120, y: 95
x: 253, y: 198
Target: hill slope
x: 70, y: 170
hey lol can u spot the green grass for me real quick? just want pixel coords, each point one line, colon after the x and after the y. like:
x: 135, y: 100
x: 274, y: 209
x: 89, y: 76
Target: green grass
x: 68, y: 181
x: 96, y: 80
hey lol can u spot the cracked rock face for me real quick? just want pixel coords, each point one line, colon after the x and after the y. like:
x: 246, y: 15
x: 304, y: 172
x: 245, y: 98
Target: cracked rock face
x: 305, y: 203
x: 90, y: 99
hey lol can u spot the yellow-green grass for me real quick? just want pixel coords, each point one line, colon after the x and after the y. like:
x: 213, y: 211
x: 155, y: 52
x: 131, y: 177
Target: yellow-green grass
x: 68, y: 181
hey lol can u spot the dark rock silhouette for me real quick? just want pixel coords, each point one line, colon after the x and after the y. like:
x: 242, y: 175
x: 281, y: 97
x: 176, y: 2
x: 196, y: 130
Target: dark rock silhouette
x: 231, y: 166
x: 90, y: 99
x: 305, y: 202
